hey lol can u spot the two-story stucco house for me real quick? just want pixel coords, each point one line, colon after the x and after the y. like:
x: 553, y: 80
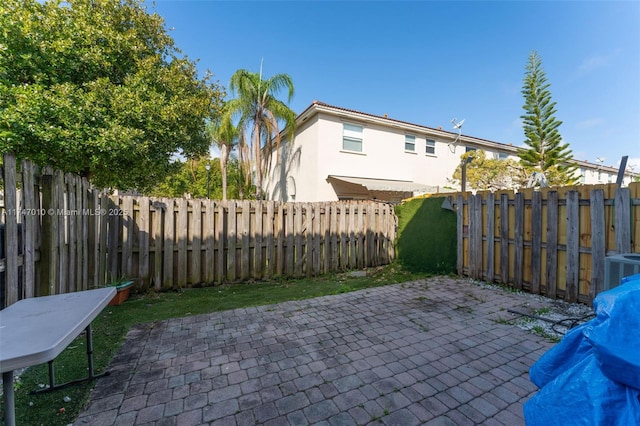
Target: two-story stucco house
x: 339, y: 154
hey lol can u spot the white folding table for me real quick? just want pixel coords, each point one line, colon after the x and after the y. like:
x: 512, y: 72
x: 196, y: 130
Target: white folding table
x: 36, y: 330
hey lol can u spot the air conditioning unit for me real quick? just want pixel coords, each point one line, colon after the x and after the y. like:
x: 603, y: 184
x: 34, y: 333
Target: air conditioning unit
x: 619, y: 266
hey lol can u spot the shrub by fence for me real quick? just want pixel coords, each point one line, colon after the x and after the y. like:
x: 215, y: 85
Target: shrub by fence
x: 426, y: 240
x: 62, y: 235
x: 550, y: 242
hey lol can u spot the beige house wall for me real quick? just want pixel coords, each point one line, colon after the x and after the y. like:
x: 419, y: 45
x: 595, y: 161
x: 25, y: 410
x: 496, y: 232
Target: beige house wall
x: 317, y: 152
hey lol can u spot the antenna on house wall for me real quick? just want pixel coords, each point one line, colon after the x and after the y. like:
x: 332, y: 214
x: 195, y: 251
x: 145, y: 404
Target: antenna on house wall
x: 458, y: 126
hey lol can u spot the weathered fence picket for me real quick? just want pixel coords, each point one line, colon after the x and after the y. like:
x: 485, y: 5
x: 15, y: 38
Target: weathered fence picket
x: 255, y: 237
x: 550, y: 242
x: 62, y: 235
x: 11, y: 229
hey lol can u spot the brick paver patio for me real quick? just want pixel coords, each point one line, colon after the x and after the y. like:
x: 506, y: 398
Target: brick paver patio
x: 427, y: 352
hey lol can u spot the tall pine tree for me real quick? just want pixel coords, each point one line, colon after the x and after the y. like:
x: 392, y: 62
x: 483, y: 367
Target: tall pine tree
x: 546, y: 152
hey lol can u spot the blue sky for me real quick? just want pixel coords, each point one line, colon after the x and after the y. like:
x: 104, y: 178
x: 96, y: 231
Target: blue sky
x: 427, y: 62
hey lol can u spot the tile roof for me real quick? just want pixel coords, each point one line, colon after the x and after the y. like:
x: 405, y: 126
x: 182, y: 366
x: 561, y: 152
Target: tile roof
x: 393, y: 120
x: 467, y: 138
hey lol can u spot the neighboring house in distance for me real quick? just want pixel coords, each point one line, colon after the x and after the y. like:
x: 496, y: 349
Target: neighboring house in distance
x: 342, y: 154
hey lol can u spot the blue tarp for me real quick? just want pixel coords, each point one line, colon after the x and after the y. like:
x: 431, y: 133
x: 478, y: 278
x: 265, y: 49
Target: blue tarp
x: 592, y: 377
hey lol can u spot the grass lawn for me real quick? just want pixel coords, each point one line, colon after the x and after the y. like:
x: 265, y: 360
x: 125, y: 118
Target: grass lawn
x: 61, y: 407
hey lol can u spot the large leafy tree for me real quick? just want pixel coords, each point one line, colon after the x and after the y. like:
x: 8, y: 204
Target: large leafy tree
x: 260, y: 113
x: 489, y: 173
x: 191, y: 178
x: 545, y: 150
x: 97, y: 87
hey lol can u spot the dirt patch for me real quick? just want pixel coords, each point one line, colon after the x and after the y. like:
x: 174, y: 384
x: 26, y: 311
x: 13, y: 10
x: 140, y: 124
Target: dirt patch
x: 549, y: 318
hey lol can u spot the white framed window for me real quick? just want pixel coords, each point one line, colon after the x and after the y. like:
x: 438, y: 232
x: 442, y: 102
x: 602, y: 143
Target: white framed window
x: 583, y: 174
x: 503, y: 155
x: 352, y: 138
x: 430, y: 147
x: 469, y: 148
x: 410, y: 143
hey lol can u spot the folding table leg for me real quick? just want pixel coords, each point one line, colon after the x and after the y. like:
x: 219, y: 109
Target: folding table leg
x: 90, y: 351
x: 9, y: 400
x: 91, y: 376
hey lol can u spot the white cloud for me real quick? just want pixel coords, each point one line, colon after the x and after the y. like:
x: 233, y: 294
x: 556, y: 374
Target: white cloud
x: 592, y: 122
x: 597, y: 61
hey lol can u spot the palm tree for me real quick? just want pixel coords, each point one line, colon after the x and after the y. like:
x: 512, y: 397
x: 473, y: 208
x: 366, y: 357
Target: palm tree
x: 225, y: 136
x: 260, y: 111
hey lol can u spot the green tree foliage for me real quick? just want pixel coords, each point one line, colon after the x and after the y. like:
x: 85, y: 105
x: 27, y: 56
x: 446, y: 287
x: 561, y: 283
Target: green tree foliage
x: 260, y: 112
x: 192, y: 178
x: 97, y: 87
x: 545, y: 151
x: 489, y: 173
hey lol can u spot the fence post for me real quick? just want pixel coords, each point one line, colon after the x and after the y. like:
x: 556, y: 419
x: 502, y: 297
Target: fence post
x: 504, y: 238
x: 143, y: 225
x: 536, y: 241
x: 352, y: 235
x: 309, y: 252
x: 460, y: 232
x: 158, y: 208
x: 257, y: 233
x: 573, y: 246
x: 475, y: 236
x: 270, y: 226
x: 30, y: 227
x: 195, y: 224
x: 232, y: 239
x: 113, y: 238
x: 244, y: 231
x: 182, y: 232
x: 552, y: 244
x: 72, y: 225
x: 168, y: 258
x: 48, y: 246
x: 362, y: 262
x: 280, y: 228
x: 326, y: 255
x: 103, y: 203
x: 11, y: 230
x: 623, y: 221
x: 221, y: 236
x: 209, y: 241
x: 598, y: 247
x: 519, y: 241
x: 491, y: 233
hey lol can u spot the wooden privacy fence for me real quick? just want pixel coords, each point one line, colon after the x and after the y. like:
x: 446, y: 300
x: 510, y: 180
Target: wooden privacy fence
x: 550, y: 242
x: 170, y: 243
x: 59, y: 234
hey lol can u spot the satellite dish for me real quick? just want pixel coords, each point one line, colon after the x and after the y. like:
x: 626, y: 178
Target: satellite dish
x: 459, y: 124
x: 458, y: 127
